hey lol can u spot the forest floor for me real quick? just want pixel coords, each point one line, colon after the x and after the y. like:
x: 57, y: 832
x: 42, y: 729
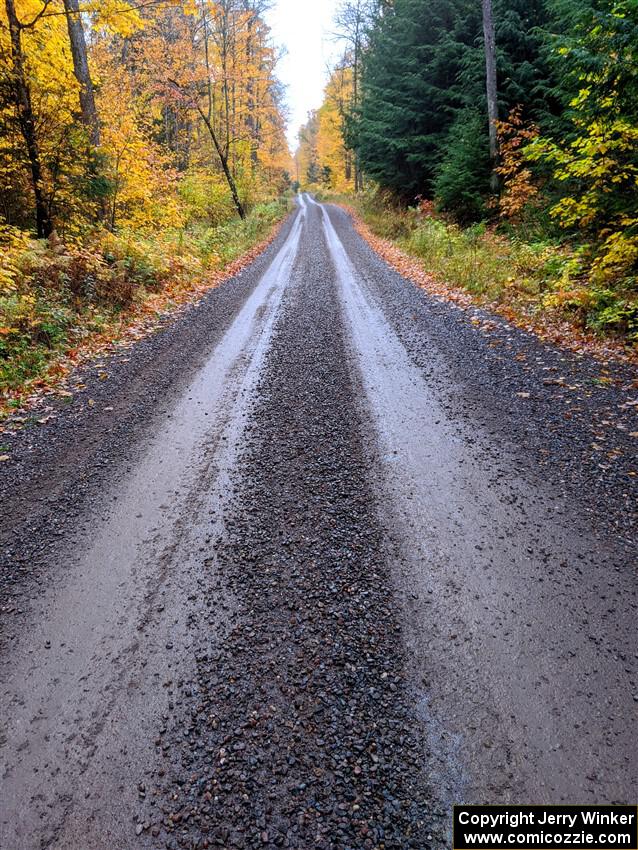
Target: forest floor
x: 313, y: 562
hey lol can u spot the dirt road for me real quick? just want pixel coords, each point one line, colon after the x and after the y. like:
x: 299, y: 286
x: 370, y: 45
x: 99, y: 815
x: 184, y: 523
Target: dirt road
x: 318, y: 560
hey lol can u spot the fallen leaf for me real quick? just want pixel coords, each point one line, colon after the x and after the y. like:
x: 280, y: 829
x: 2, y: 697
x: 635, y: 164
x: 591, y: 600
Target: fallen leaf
x: 3, y: 458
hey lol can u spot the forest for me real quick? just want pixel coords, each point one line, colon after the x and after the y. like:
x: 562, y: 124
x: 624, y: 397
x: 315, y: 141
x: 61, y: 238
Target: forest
x: 318, y: 424
x: 142, y: 148
x: 498, y: 142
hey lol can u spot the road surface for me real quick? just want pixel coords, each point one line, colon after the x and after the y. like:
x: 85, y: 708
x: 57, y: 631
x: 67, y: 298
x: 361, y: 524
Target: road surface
x: 318, y: 560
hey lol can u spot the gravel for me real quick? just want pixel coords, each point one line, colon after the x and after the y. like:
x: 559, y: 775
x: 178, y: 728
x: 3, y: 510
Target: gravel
x: 568, y: 419
x: 65, y: 452
x: 302, y: 733
x: 300, y: 724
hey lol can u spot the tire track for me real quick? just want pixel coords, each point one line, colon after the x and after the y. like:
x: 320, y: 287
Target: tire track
x: 302, y: 733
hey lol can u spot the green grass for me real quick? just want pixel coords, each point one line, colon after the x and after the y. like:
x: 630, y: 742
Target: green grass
x: 56, y: 298
x: 539, y: 277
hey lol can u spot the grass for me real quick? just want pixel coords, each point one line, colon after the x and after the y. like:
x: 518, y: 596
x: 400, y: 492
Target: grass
x: 482, y: 263
x: 57, y: 299
x: 532, y: 277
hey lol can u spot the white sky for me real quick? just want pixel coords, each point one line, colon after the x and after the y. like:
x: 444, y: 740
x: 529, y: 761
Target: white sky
x: 303, y: 28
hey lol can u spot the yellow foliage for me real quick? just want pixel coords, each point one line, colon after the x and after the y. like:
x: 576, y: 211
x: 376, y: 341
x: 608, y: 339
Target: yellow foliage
x: 322, y: 157
x: 151, y: 135
x: 619, y: 253
x: 600, y: 167
x: 116, y: 17
x: 49, y: 72
x: 181, y: 88
x: 143, y: 181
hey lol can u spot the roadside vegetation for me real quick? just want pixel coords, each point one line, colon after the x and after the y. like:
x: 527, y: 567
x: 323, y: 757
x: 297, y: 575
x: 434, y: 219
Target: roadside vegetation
x: 526, y: 280
x: 498, y: 142
x: 60, y: 299
x: 142, y: 150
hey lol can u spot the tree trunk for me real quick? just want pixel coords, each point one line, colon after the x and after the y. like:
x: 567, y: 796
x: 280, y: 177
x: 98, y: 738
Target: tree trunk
x: 224, y: 163
x: 26, y: 119
x: 209, y: 116
x: 355, y: 95
x: 491, y: 85
x: 81, y: 69
x: 351, y: 20
x: 355, y: 103
x: 252, y: 121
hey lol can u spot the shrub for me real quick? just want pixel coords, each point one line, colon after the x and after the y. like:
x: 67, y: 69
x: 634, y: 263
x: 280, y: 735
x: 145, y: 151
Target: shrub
x: 54, y: 294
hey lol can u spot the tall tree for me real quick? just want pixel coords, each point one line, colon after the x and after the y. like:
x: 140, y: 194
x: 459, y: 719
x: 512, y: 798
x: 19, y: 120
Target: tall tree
x: 26, y: 115
x: 421, y: 127
x: 215, y: 138
x: 81, y: 69
x: 594, y: 152
x: 489, y: 39
x: 353, y: 20
x: 308, y: 169
x: 220, y: 148
x: 410, y: 90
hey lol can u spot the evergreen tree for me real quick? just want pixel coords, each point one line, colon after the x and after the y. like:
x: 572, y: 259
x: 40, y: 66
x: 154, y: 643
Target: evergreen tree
x: 410, y: 75
x: 423, y: 120
x: 464, y: 175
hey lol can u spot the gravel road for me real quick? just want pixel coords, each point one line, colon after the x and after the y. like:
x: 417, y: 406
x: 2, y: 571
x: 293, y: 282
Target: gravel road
x: 312, y: 563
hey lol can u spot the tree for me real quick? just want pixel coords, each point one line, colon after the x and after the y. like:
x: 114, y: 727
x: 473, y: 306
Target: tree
x: 410, y: 90
x: 26, y: 115
x: 425, y: 67
x: 323, y: 148
x: 225, y: 74
x: 81, y: 69
x: 352, y: 21
x: 464, y: 171
x: 225, y: 35
x: 307, y: 153
x: 594, y: 156
x: 489, y: 39
x: 135, y: 149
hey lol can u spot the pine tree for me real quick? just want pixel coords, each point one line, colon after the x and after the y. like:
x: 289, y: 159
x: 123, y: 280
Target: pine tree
x: 409, y: 92
x: 424, y: 112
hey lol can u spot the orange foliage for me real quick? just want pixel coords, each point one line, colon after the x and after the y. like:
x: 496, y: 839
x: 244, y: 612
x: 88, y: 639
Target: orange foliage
x: 519, y: 188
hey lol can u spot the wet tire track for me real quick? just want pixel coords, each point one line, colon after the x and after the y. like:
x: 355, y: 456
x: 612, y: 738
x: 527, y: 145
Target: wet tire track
x: 302, y: 734
x: 64, y: 460
x: 571, y: 419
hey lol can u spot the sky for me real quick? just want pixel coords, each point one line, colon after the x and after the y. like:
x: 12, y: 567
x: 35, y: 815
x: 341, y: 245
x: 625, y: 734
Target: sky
x: 303, y: 28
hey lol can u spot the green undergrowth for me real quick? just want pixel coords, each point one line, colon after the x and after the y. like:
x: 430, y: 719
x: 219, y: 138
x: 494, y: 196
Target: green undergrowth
x: 58, y: 296
x: 535, y: 274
